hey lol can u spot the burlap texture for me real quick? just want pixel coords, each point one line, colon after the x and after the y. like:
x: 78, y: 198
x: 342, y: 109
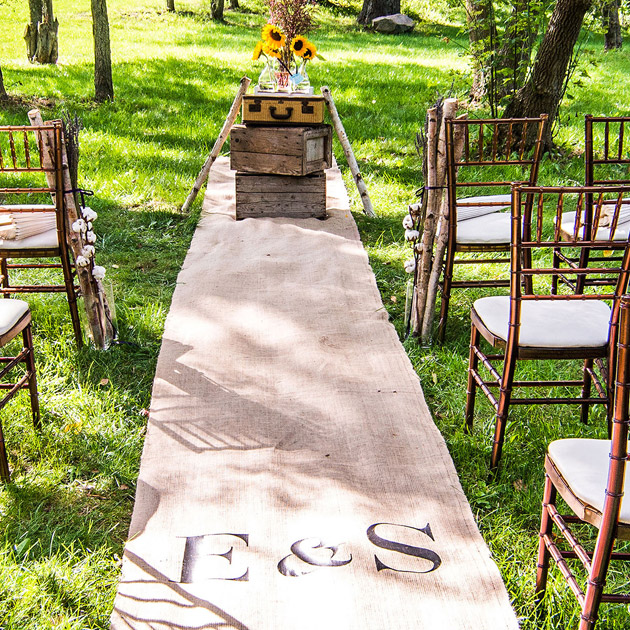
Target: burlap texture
x: 288, y: 426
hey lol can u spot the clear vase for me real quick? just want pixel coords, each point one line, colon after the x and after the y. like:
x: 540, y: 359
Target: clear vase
x: 266, y: 80
x: 300, y: 80
x: 282, y: 79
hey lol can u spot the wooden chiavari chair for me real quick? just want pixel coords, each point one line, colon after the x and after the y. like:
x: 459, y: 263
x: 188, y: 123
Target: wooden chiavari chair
x: 476, y: 221
x: 31, y: 227
x: 535, y: 323
x: 590, y: 476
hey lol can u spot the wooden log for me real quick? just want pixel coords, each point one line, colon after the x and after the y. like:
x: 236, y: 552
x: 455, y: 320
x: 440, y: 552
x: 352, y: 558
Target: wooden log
x: 441, y: 238
x: 428, y: 232
x: 94, y: 299
x: 347, y: 149
x: 220, y: 141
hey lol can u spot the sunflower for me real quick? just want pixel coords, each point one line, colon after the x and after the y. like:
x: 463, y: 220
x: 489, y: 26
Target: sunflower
x: 271, y: 52
x: 273, y: 36
x: 257, y: 51
x: 310, y: 51
x: 299, y: 45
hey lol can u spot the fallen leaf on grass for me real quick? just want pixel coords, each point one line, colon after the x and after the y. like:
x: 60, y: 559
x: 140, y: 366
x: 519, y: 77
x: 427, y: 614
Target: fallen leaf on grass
x: 104, y: 381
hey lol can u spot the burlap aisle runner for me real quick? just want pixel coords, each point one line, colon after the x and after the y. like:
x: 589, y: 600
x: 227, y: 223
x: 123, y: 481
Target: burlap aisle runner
x: 292, y: 476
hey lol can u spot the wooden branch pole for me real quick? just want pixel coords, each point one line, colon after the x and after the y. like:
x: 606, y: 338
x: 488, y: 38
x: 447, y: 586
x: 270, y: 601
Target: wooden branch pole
x: 214, y: 154
x: 441, y: 239
x: 347, y: 149
x: 92, y: 292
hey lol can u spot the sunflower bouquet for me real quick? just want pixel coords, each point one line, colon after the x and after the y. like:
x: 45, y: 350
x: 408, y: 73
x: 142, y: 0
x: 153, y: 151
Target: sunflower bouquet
x: 285, y: 48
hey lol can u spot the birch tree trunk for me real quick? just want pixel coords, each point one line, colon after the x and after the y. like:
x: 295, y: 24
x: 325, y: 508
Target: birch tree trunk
x: 42, y: 44
x: 103, y: 82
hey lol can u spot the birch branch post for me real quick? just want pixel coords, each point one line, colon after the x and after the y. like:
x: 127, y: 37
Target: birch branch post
x: 220, y: 141
x: 435, y: 157
x: 440, y: 249
x: 94, y: 299
x: 347, y: 150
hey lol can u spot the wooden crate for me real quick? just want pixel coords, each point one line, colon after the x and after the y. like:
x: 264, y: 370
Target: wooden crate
x: 283, y: 109
x: 280, y: 196
x: 280, y: 150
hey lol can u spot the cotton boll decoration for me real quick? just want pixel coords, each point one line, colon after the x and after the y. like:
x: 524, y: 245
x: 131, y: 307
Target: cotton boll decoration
x: 90, y: 237
x: 418, y: 248
x: 79, y: 226
x: 88, y: 251
x: 82, y: 261
x: 412, y: 235
x: 98, y: 272
x: 408, y: 222
x: 414, y: 209
x: 410, y: 265
x: 89, y: 214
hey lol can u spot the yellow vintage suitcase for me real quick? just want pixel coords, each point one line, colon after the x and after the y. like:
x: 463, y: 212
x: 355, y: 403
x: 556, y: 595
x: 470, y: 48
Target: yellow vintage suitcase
x: 283, y: 109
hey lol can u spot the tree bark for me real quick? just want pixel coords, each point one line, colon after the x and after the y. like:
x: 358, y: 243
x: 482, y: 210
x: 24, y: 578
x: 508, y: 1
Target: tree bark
x: 545, y: 88
x: 482, y: 36
x: 170, y: 5
x: 234, y: 5
x: 103, y: 82
x: 3, y: 92
x: 216, y: 9
x: 42, y: 45
x: 376, y: 8
x: 610, y: 15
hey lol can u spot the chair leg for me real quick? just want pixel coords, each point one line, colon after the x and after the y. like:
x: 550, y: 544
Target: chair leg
x: 27, y: 336
x: 4, y: 270
x: 471, y: 389
x: 446, y: 292
x: 505, y: 396
x: 5, y: 475
x: 72, y: 299
x: 586, y: 389
x: 546, y: 526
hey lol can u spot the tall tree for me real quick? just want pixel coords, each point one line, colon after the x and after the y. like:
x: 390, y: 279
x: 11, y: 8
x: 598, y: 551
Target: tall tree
x: 42, y: 43
x: 103, y: 82
x: 610, y: 18
x: 216, y: 9
x: 543, y: 91
x: 482, y: 36
x: 3, y: 92
x: 170, y: 5
x: 376, y: 8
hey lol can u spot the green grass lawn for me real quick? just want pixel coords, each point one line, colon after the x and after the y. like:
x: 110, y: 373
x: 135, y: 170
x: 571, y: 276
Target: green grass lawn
x: 64, y: 517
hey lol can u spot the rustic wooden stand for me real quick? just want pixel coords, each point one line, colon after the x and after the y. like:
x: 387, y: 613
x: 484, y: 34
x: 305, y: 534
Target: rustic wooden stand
x: 302, y: 116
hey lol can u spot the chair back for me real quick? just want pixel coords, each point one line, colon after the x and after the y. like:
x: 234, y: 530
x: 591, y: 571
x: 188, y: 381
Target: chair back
x: 539, y: 234
x: 606, y: 150
x: 31, y: 172
x: 484, y: 157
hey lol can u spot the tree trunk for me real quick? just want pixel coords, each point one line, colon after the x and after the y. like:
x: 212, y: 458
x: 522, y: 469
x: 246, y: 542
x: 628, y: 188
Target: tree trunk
x: 103, y: 83
x: 42, y: 44
x: 234, y: 5
x: 545, y: 88
x: 610, y: 15
x: 3, y: 92
x: 216, y: 9
x: 376, y: 8
x: 170, y: 5
x: 482, y: 36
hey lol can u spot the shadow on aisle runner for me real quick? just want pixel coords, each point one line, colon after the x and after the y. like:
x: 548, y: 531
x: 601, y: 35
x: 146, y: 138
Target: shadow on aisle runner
x: 292, y: 476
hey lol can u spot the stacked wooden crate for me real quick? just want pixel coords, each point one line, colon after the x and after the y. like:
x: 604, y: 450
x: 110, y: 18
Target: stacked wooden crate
x: 279, y: 154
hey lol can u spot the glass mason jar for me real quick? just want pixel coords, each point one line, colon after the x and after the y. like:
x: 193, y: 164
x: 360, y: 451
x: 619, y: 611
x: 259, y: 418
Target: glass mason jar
x: 300, y: 80
x: 266, y: 80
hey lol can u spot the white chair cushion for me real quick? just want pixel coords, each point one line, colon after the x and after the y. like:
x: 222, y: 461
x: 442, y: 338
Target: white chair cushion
x: 603, y: 233
x: 549, y: 324
x: 583, y: 464
x: 489, y: 229
x: 11, y: 311
x: 45, y: 240
x: 481, y: 206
